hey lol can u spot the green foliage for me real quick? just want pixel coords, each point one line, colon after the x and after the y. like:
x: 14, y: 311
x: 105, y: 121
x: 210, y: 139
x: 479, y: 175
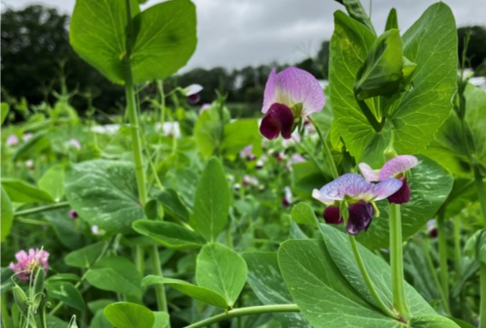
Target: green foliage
x: 53, y: 182
x: 304, y: 214
x: 66, y: 293
x: 84, y: 257
x: 20, y: 192
x: 129, y: 315
x: 6, y: 215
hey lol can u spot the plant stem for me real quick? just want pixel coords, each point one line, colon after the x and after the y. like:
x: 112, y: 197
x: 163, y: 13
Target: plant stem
x: 444, y: 267
x: 433, y: 271
x: 367, y: 279
x: 478, y: 179
x: 482, y: 305
x: 326, y: 150
x: 245, y: 311
x: 457, y: 247
x: 41, y: 209
x: 377, y: 126
x: 6, y: 320
x: 137, y: 152
x: 396, y: 262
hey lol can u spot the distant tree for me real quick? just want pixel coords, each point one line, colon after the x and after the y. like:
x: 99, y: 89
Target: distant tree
x: 322, y: 59
x: 476, y: 51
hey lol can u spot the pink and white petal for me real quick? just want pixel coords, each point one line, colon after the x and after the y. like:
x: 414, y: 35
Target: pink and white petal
x: 270, y: 94
x: 316, y: 194
x: 192, y: 89
x: 397, y: 165
x: 385, y: 188
x: 352, y: 185
x: 296, y: 86
x: 368, y: 173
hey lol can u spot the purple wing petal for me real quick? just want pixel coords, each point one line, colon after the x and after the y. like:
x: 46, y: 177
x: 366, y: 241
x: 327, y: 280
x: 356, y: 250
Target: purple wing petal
x: 270, y: 95
x: 296, y: 86
x: 352, y: 185
x: 279, y: 119
x: 368, y: 173
x: 385, y: 188
x: 397, y: 165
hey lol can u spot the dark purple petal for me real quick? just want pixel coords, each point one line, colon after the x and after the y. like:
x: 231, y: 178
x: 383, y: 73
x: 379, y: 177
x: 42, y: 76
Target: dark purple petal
x: 194, y: 99
x: 331, y: 215
x: 433, y: 233
x: 402, y: 195
x: 397, y: 165
x: 73, y: 214
x: 360, y: 215
x: 279, y: 119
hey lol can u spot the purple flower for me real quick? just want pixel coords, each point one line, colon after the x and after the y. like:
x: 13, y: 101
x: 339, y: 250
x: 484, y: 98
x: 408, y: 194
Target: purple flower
x: 248, y: 180
x: 358, y: 195
x: 75, y: 143
x: 192, y: 93
x: 204, y: 107
x: 73, y: 214
x: 289, y: 95
x: 247, y: 153
x: 287, y: 198
x: 432, y: 228
x: 12, y: 140
x: 28, y: 263
x: 394, y: 168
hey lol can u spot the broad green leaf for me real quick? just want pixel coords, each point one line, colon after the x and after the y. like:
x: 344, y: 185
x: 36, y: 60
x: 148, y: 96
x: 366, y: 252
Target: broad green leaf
x: 98, y: 305
x: 355, y: 10
x: 221, y: 270
x: 321, y: 292
x: 100, y: 321
x: 476, y: 120
x: 7, y: 214
x: 303, y: 213
x: 267, y: 283
x: 173, y: 205
x: 53, y: 182
x: 129, y: 315
x: 170, y: 234
x: 66, y: 293
x: 430, y: 185
x: 85, y: 257
x: 116, y: 274
x: 201, y: 294
x: 32, y: 148
x: 98, y: 34
x: 432, y: 321
x: 341, y: 253
x: 476, y: 246
x: 212, y: 200
x: 239, y: 134
x: 65, y: 228
x: 22, y: 192
x: 161, y: 319
x: 70, y: 277
x: 104, y: 193
x: 166, y: 39
x: 207, y: 132
x: 4, y: 109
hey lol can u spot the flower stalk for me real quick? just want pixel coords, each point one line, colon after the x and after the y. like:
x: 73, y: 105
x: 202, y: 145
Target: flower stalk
x: 396, y: 261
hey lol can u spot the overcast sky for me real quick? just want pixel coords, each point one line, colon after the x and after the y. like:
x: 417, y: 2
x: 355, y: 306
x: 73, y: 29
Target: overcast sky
x: 236, y: 33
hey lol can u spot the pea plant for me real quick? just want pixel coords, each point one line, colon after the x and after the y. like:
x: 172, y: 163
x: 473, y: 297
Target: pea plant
x: 360, y: 205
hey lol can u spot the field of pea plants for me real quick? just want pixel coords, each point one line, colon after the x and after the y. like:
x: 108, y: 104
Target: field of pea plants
x: 361, y: 204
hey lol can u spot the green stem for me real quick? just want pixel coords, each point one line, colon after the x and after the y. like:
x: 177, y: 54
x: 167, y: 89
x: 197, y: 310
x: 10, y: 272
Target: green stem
x: 41, y: 209
x: 377, y: 126
x: 367, y: 279
x: 137, y: 152
x: 482, y: 305
x: 457, y: 246
x: 245, y: 311
x: 396, y: 262
x: 433, y: 271
x: 6, y: 320
x: 478, y: 179
x: 326, y: 150
x: 444, y: 268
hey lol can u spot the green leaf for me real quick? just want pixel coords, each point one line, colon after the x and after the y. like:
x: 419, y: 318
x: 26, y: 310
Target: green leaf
x: 7, y: 214
x: 221, y: 270
x: 476, y: 246
x: 201, y: 294
x: 239, y: 134
x: 212, y: 200
x: 476, y: 120
x: 161, y: 319
x: 32, y: 147
x: 432, y: 321
x: 207, y: 131
x: 356, y: 11
x: 85, y: 257
x: 430, y: 185
x: 303, y: 213
x: 99, y: 321
x: 4, y: 109
x: 98, y: 34
x: 129, y: 315
x: 53, y: 182
x: 116, y: 274
x: 166, y: 39
x: 392, y: 20
x: 66, y: 293
x: 104, y: 193
x: 71, y: 277
x: 65, y: 228
x: 267, y: 283
x: 22, y: 192
x: 341, y: 253
x: 169, y: 234
x: 173, y: 205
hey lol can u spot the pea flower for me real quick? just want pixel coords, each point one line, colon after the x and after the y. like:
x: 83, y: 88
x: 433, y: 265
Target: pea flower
x: 192, y: 93
x: 30, y: 164
x: 247, y: 153
x: 359, y: 195
x: 73, y: 214
x: 12, y: 140
x: 28, y: 263
x: 27, y: 137
x: 289, y: 96
x: 287, y: 198
x: 432, y: 229
x: 394, y: 168
x: 204, y: 107
x: 75, y: 143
